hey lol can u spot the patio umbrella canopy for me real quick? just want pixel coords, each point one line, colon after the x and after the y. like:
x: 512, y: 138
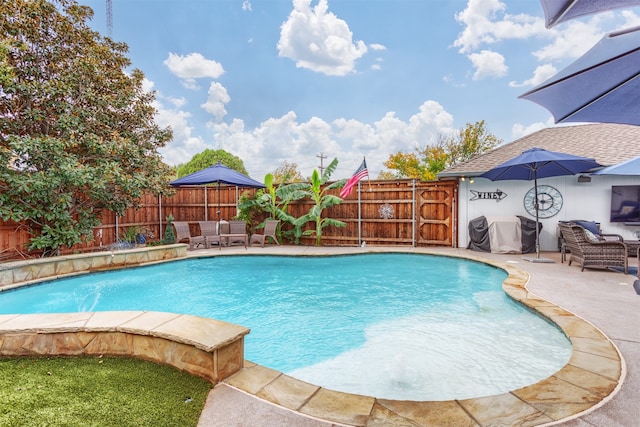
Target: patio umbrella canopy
x: 217, y: 174
x: 557, y: 11
x: 602, y: 86
x: 630, y: 167
x: 539, y: 163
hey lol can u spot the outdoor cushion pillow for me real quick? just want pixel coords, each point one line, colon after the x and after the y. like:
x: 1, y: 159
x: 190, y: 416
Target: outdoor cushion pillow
x: 589, y: 225
x: 590, y: 235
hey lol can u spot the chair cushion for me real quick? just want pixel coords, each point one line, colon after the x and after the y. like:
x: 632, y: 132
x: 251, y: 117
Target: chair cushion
x: 590, y: 235
x: 590, y: 226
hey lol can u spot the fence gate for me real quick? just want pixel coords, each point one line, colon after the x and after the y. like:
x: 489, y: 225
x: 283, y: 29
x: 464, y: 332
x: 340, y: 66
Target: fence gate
x: 436, y: 216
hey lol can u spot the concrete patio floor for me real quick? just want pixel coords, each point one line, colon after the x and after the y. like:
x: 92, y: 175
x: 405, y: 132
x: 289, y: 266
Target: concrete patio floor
x: 605, y: 299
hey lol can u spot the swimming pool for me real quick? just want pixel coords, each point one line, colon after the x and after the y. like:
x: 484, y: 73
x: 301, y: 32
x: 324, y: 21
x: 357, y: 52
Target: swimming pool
x: 398, y: 326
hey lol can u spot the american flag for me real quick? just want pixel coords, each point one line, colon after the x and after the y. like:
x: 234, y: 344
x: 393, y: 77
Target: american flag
x: 357, y: 176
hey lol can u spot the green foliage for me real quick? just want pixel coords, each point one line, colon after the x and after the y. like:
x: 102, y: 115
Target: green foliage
x: 209, y: 158
x: 317, y: 191
x: 472, y: 140
x: 287, y: 172
x: 104, y: 391
x: 275, y: 200
x: 169, y: 235
x: 77, y: 131
x: 130, y: 234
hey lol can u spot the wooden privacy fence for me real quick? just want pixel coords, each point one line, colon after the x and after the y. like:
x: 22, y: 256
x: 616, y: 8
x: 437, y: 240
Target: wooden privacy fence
x: 402, y: 212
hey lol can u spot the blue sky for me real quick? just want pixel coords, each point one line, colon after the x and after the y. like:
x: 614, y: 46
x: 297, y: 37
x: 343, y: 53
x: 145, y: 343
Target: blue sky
x: 276, y: 80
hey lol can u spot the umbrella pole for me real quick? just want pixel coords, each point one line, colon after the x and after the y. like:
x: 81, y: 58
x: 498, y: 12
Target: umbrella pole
x: 537, y: 205
x: 218, y: 201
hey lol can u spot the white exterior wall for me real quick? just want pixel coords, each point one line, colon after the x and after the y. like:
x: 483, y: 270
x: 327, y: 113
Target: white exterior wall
x: 585, y: 200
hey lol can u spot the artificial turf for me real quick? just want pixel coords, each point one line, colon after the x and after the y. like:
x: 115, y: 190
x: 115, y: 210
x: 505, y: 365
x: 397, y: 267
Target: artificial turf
x: 97, y: 391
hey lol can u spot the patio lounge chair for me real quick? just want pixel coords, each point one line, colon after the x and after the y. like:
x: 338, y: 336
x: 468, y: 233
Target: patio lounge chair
x: 209, y: 229
x: 237, y: 233
x: 593, y: 253
x: 269, y: 231
x: 184, y: 234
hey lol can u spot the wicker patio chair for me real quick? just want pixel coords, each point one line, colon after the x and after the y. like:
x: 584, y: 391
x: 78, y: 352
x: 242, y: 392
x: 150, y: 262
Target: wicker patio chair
x: 209, y: 229
x: 593, y: 254
x: 270, y: 226
x: 184, y: 234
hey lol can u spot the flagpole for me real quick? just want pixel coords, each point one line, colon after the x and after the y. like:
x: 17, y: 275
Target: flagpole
x: 359, y: 218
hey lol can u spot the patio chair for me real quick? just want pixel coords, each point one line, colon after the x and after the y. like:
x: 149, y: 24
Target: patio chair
x: 270, y: 226
x: 237, y: 233
x: 183, y: 233
x: 597, y: 253
x: 209, y: 229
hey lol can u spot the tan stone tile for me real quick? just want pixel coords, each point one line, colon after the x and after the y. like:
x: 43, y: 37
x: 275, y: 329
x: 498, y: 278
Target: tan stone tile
x: 551, y: 311
x: 288, y: 392
x: 595, y: 383
x: 444, y: 413
x: 101, y: 261
x: 144, y: 347
x: 339, y: 407
x: 5, y: 318
x: 64, y: 267
x: 49, y: 322
x: 600, y: 347
x: 383, y: 417
x: 81, y: 264
x: 110, y: 320
x: 67, y: 344
x: 22, y: 274
x: 557, y: 398
x: 252, y: 379
x: 229, y: 358
x: 573, y: 326
x: 26, y: 344
x: 146, y: 322
x: 503, y: 410
x: 202, y: 332
x: 600, y: 365
x: 45, y: 270
x: 116, y: 343
x: 187, y: 358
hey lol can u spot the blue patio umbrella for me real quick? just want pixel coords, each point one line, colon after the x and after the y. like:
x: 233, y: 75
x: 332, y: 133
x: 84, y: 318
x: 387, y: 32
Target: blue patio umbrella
x: 630, y: 167
x: 217, y: 174
x: 539, y: 163
x: 557, y: 11
x: 602, y: 86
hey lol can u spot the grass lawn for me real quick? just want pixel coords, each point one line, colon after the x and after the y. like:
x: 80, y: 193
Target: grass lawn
x: 97, y: 391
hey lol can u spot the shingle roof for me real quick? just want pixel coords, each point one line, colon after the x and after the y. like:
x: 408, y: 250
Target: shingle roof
x: 608, y: 144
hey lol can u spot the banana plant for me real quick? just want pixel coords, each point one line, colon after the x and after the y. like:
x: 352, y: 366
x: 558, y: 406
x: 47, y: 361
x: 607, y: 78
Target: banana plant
x: 317, y: 191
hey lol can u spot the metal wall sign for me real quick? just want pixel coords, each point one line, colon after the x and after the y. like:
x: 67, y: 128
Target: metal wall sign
x: 488, y: 195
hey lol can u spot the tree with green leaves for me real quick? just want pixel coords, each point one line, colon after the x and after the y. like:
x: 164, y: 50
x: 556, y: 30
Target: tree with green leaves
x: 209, y: 158
x: 77, y: 130
x: 425, y: 164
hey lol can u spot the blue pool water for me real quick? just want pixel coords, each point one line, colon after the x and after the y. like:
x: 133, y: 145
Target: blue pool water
x: 398, y: 326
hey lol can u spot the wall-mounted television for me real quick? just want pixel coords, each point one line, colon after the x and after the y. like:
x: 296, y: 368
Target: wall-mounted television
x: 625, y: 203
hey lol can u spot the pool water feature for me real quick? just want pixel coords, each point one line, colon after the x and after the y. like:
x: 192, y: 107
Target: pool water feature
x: 396, y: 326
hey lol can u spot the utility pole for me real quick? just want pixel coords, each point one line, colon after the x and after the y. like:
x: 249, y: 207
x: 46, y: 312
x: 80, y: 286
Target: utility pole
x: 109, y: 19
x: 321, y: 157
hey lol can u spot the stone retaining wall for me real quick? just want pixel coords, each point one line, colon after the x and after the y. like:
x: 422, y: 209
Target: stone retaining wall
x: 17, y: 273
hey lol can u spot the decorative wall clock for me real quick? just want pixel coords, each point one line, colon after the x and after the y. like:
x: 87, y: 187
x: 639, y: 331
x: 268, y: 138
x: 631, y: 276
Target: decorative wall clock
x: 549, y: 201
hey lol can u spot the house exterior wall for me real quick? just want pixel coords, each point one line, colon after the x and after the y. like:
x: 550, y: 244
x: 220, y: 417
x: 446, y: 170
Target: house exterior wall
x: 581, y: 200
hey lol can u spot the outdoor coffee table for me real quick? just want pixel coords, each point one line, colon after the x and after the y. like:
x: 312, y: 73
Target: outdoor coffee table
x: 226, y: 239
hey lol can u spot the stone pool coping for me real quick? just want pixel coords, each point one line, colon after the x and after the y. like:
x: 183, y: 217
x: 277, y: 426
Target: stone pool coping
x: 593, y: 374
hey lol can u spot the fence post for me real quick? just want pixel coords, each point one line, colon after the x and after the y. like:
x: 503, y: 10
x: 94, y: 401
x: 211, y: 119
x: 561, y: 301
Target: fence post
x: 413, y: 213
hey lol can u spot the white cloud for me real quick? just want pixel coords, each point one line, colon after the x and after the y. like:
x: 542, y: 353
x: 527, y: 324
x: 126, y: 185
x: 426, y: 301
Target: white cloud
x: 277, y: 139
x: 519, y: 130
x: 540, y: 74
x: 193, y: 66
x: 217, y: 98
x: 318, y: 40
x: 246, y: 6
x: 377, y: 46
x: 488, y: 64
x: 485, y: 22
x: 574, y: 40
